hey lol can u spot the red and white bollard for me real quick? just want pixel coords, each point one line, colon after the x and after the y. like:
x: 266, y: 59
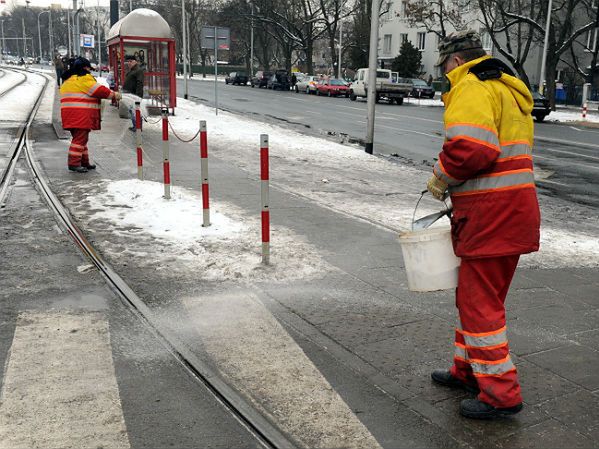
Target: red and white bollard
x: 165, y: 154
x: 204, y: 173
x: 584, y: 111
x: 264, y: 195
x: 140, y: 169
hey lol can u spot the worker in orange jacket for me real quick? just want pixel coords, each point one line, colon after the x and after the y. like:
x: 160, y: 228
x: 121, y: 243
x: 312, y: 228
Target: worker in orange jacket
x: 486, y: 167
x: 80, y: 103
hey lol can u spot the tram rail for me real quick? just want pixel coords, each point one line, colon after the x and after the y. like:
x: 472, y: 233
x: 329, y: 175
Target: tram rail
x: 263, y: 430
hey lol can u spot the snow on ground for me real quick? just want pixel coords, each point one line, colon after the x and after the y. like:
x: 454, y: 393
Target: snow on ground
x: 228, y: 249
x: 571, y: 116
x: 12, y: 104
x: 344, y: 178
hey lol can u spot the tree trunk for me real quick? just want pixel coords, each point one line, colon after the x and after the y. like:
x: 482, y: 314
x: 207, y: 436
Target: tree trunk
x: 550, y: 81
x: 309, y: 60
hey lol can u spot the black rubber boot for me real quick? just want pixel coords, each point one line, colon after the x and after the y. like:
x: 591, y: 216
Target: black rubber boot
x: 444, y: 377
x: 473, y: 408
x: 89, y: 166
x: 78, y: 169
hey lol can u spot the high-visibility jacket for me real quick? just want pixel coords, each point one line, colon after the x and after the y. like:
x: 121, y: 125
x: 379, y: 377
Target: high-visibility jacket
x: 80, y: 102
x: 487, y: 162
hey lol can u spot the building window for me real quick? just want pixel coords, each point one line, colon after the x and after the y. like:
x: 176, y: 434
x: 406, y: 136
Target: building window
x: 592, y: 39
x: 404, y: 9
x: 387, y: 44
x: 403, y: 37
x: 421, y: 41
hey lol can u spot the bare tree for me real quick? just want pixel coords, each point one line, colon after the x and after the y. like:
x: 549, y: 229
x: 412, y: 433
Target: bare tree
x: 436, y: 16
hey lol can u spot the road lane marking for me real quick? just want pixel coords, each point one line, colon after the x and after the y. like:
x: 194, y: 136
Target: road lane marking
x: 260, y: 359
x: 413, y: 117
x: 59, y: 387
x: 572, y: 153
x: 411, y: 131
x: 592, y: 167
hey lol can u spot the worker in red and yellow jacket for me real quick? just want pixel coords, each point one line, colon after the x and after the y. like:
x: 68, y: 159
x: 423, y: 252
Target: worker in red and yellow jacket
x: 486, y: 167
x: 80, y: 103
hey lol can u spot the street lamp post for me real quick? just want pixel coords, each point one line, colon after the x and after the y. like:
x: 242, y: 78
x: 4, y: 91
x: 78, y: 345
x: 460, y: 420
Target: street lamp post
x: 372, y: 66
x: 184, y: 26
x: 99, y: 41
x: 39, y: 33
x: 3, y: 43
x: 24, y: 38
x: 544, y: 58
x: 252, y: 40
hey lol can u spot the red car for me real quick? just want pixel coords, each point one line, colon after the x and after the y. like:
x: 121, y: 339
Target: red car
x: 332, y: 87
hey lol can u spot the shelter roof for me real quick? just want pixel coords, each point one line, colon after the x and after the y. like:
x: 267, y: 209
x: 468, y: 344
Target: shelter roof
x: 141, y: 22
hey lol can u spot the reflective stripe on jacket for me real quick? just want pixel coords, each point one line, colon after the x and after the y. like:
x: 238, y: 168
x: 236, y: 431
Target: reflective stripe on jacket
x: 80, y: 98
x: 487, y: 162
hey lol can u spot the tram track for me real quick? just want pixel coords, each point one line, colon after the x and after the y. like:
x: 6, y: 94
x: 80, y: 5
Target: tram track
x: 241, y: 409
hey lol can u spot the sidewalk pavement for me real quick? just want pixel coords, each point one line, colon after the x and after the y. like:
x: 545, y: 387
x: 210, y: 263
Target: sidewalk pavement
x: 353, y: 315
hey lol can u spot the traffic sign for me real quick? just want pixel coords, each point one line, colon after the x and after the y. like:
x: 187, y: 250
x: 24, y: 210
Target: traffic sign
x: 223, y: 37
x: 86, y: 40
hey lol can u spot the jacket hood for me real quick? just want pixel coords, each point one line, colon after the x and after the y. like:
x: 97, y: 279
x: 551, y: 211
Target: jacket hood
x: 518, y: 89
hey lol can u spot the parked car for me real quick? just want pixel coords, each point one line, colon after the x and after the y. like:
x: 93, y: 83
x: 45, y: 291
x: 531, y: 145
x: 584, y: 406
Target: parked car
x: 279, y: 80
x: 385, y: 88
x: 541, y: 107
x: 332, y: 87
x: 420, y: 89
x: 307, y: 85
x: 260, y: 79
x: 239, y: 78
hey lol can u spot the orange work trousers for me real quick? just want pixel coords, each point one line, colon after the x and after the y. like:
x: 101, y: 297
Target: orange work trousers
x: 78, y: 153
x: 482, y: 353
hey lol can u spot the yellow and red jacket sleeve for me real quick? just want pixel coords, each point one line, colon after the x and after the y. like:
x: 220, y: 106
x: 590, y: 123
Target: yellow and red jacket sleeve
x: 471, y: 137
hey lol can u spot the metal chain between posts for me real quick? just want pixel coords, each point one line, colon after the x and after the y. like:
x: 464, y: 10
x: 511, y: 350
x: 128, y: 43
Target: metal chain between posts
x: 183, y: 140
x: 151, y: 122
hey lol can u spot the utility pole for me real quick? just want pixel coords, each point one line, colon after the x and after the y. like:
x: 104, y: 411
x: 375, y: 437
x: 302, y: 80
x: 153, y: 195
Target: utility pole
x: 184, y: 27
x: 39, y: 33
x: 252, y: 40
x: 69, y: 32
x: 51, y: 35
x: 3, y: 42
x: 372, y: 66
x: 340, y: 48
x: 24, y: 38
x: 99, y: 40
x: 545, y: 45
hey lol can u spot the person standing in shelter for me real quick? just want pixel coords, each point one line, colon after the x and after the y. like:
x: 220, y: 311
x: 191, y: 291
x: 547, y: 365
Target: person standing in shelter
x: 486, y: 166
x: 134, y: 83
x: 80, y: 102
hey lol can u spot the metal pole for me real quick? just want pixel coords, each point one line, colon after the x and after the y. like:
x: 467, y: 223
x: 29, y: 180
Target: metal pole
x: 252, y: 42
x: 50, y: 35
x: 340, y: 47
x: 39, y: 33
x: 544, y: 58
x: 24, y: 38
x: 216, y: 70
x: 75, y: 36
x: 69, y: 32
x: 140, y: 164
x: 184, y: 21
x: 99, y: 41
x: 204, y: 173
x: 3, y: 42
x: 264, y: 191
x: 372, y: 66
x: 165, y: 153
x: 130, y: 5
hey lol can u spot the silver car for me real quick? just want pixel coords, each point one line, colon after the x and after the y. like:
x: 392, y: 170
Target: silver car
x: 307, y: 85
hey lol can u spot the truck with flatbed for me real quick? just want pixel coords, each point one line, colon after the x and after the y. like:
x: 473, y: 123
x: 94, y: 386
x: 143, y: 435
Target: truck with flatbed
x: 386, y: 89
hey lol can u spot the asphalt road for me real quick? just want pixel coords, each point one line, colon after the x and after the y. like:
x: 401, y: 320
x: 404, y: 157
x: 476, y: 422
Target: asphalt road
x: 566, y: 157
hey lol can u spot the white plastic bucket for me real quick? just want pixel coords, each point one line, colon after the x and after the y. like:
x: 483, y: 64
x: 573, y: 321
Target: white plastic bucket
x: 429, y: 259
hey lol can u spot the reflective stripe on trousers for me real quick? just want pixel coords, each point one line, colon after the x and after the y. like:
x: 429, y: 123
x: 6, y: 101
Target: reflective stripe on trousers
x: 78, y: 154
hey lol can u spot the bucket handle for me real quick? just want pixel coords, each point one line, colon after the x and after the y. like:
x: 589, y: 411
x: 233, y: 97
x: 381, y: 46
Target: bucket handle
x: 418, y: 202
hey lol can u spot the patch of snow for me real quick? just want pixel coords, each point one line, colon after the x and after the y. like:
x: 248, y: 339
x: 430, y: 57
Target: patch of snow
x: 168, y: 234
x: 571, y: 116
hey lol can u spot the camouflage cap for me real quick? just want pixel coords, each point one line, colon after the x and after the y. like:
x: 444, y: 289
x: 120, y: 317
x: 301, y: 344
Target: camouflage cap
x: 457, y: 41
